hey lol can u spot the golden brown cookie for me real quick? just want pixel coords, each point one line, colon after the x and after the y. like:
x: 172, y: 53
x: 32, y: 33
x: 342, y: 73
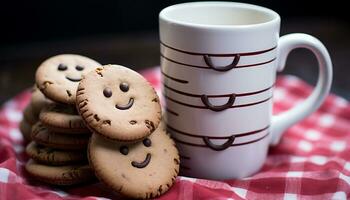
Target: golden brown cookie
x: 118, y: 103
x: 60, y: 175
x: 58, y: 76
x: 62, y: 118
x: 145, y: 169
x: 42, y: 135
x: 26, y: 129
x: 50, y: 156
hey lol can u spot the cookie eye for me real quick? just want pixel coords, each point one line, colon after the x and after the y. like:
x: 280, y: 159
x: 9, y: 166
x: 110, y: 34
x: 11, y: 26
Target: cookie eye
x: 147, y: 142
x: 79, y: 68
x: 62, y: 67
x: 107, y: 92
x: 124, y: 87
x: 124, y: 150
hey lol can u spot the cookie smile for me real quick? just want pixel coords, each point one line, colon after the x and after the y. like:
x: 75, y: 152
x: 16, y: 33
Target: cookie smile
x: 73, y: 79
x: 127, y: 106
x: 143, y: 163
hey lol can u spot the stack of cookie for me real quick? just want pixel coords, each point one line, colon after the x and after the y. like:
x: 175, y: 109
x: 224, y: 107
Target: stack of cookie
x: 59, y: 136
x: 129, y: 150
x: 31, y: 113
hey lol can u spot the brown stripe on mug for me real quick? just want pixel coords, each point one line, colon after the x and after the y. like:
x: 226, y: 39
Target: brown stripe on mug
x: 204, y: 67
x: 172, y: 78
x: 218, y: 96
x: 220, y: 55
x: 237, y: 135
x: 171, y: 112
x: 205, y: 107
x: 232, y: 145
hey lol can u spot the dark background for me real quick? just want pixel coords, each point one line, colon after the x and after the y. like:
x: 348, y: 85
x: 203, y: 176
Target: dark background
x: 126, y: 32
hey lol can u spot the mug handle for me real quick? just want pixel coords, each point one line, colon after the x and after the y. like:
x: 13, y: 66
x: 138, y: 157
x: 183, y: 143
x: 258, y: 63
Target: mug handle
x: 286, y: 44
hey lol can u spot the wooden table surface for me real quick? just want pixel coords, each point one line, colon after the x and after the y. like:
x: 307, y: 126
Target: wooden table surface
x: 141, y: 50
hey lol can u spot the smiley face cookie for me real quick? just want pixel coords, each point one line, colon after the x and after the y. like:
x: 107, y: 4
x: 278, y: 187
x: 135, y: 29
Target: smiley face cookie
x: 145, y: 169
x: 118, y: 103
x: 58, y: 76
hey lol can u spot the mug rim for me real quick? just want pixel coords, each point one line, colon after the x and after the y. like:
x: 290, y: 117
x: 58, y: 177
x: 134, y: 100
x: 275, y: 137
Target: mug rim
x: 163, y: 15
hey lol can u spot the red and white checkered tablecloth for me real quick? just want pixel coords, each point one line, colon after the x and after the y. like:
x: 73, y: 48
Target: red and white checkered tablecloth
x: 312, y: 160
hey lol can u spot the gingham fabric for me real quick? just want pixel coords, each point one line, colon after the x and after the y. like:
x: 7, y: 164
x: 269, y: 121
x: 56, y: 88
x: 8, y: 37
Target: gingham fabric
x: 312, y: 161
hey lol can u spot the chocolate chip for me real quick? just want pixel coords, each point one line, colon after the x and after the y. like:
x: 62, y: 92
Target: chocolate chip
x: 132, y: 122
x: 147, y: 142
x: 124, y: 87
x: 124, y: 150
x: 96, y: 117
x: 62, y: 67
x: 107, y: 92
x: 155, y: 100
x: 79, y: 68
x: 69, y: 93
x: 105, y: 122
x: 150, y: 125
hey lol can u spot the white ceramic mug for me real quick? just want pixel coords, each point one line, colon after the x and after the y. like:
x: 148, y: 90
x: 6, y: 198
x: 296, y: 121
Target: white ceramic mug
x: 219, y: 62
